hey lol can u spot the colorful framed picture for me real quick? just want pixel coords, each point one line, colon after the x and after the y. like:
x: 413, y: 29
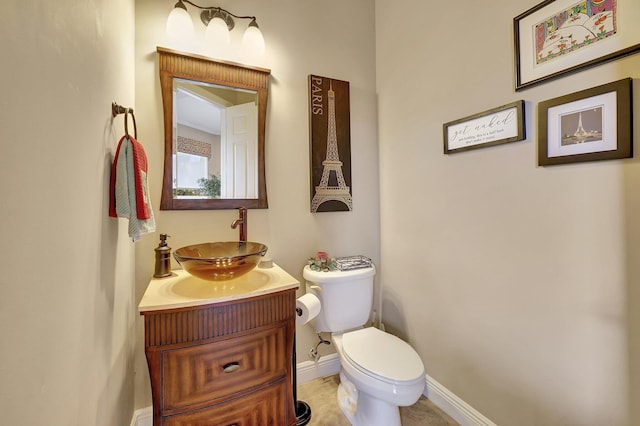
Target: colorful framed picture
x: 496, y: 126
x: 557, y: 37
x: 591, y: 125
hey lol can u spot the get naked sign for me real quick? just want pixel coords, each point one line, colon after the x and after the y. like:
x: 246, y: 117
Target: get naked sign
x: 496, y: 126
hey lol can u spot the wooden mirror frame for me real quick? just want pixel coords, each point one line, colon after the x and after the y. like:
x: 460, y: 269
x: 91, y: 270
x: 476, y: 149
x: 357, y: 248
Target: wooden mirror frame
x: 174, y: 64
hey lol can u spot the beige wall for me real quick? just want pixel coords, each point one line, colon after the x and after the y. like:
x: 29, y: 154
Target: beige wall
x: 515, y: 283
x: 67, y: 302
x: 334, y: 39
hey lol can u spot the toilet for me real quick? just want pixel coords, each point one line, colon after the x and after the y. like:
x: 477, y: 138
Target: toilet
x: 379, y: 372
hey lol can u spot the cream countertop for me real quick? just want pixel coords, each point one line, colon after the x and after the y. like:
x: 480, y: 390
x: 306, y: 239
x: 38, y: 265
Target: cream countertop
x: 182, y: 290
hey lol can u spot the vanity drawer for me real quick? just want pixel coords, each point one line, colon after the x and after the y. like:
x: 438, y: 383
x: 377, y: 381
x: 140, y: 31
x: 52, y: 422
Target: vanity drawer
x: 204, y: 373
x: 266, y: 408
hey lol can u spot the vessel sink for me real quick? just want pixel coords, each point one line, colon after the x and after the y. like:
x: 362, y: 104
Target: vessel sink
x: 220, y: 261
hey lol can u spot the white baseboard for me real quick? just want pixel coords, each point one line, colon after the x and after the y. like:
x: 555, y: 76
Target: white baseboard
x: 329, y: 365
x: 142, y: 417
x: 455, y: 407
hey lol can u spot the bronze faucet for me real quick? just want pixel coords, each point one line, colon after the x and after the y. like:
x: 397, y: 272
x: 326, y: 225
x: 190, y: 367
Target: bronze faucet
x: 242, y: 221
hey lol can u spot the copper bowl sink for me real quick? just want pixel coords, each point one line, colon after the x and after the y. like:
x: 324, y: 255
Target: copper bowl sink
x: 220, y: 261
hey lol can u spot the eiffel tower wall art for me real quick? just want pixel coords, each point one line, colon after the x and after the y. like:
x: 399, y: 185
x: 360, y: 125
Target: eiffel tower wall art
x: 330, y: 144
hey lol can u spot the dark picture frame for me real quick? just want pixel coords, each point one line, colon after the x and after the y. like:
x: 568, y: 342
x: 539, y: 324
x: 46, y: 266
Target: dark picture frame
x: 330, y: 144
x: 558, y: 37
x: 496, y: 126
x: 590, y: 125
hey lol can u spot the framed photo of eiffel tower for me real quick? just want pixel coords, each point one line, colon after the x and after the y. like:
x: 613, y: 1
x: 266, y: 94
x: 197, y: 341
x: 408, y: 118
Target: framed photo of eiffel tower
x: 330, y: 144
x: 590, y: 125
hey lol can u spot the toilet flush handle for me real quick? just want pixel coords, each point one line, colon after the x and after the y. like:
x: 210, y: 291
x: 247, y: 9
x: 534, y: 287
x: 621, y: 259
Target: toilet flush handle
x: 315, y: 287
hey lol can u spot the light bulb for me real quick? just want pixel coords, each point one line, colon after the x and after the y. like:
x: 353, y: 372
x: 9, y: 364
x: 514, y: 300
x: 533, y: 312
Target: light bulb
x: 180, y: 28
x: 253, y: 42
x: 217, y: 38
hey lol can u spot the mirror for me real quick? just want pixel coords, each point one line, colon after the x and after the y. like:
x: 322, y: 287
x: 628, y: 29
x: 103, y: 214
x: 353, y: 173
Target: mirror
x: 214, y: 133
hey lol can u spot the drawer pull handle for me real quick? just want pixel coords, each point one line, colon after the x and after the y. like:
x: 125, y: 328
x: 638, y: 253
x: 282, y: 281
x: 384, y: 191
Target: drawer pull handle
x: 231, y: 367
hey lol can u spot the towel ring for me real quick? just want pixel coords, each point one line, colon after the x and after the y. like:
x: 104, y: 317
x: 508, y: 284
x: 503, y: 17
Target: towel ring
x: 126, y: 123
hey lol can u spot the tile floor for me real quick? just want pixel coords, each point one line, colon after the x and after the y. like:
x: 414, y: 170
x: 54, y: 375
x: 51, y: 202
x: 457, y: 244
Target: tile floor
x: 320, y: 394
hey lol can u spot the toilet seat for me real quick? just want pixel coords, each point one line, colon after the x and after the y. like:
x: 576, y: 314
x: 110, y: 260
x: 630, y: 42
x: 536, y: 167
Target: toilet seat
x: 382, y: 355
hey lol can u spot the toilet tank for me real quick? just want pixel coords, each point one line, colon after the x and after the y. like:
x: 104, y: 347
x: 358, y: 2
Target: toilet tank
x: 346, y: 297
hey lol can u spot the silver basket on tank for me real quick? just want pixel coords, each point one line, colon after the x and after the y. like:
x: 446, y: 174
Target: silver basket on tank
x: 349, y: 263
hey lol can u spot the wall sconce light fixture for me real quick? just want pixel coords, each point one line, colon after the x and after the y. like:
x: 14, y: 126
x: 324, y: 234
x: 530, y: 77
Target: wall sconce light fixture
x: 219, y: 22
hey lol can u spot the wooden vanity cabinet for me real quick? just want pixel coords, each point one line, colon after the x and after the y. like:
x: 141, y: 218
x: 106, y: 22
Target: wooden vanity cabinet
x: 227, y: 363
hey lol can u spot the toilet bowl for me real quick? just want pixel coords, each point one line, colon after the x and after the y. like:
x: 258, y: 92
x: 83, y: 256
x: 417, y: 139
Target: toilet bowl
x: 383, y: 372
x: 379, y: 372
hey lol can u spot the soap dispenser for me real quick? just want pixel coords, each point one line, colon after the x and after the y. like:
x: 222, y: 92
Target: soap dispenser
x: 163, y: 258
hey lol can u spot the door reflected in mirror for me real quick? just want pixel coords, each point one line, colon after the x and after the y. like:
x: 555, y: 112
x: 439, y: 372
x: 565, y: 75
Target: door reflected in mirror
x: 216, y: 141
x: 214, y: 133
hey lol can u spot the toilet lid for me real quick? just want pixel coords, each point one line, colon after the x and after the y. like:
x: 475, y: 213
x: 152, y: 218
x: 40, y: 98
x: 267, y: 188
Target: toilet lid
x: 382, y: 354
